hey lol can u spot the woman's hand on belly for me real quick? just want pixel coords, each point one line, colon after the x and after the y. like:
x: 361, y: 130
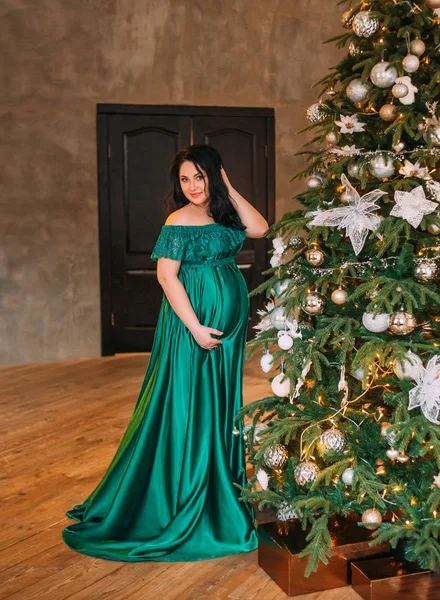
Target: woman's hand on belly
x: 202, y: 336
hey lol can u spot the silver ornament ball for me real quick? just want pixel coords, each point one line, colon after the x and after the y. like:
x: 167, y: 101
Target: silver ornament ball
x: 305, y: 472
x: 275, y: 457
x: 313, y: 304
x: 433, y: 228
x: 402, y: 323
x: 358, y: 90
x: 383, y: 75
x: 313, y: 182
x: 332, y: 441
x: 425, y: 271
x: 285, y: 512
x: 382, y: 166
x: 399, y: 90
x: 339, y: 296
x: 372, y: 517
x: 364, y: 25
x: 278, y: 318
x: 354, y: 170
x: 376, y: 323
x: 410, y: 63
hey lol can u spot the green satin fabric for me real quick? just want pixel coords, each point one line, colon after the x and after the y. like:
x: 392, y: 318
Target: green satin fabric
x: 169, y: 494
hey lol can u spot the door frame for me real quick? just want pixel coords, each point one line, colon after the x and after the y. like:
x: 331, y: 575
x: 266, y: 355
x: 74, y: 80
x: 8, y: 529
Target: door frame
x: 104, y: 111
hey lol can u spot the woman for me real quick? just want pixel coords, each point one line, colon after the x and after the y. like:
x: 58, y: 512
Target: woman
x: 169, y: 493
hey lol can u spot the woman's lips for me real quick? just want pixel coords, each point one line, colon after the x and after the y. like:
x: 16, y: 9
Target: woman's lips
x: 198, y: 194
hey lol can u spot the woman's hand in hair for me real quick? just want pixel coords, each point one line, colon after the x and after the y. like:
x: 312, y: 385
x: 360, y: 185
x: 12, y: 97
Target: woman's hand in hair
x: 225, y: 178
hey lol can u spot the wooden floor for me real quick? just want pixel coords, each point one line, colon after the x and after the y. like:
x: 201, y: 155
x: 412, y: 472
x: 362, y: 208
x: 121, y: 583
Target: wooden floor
x: 61, y: 423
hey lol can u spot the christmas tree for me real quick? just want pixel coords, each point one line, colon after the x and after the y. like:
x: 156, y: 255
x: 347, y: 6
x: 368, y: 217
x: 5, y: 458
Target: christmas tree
x: 350, y: 329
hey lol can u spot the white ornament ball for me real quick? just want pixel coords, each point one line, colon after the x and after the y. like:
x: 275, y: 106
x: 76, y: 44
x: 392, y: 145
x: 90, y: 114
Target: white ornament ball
x: 339, y: 296
x: 410, y: 63
x: 372, y: 517
x: 383, y: 75
x: 417, y: 47
x: 347, y: 476
x: 263, y: 478
x: 399, y: 90
x: 285, y: 342
x: 332, y: 441
x: 281, y: 385
x: 285, y: 512
x: 276, y: 456
x: 376, y: 323
x: 382, y: 166
x: 266, y: 362
x: 305, y: 472
x: 275, y: 260
x: 359, y: 373
x: 408, y: 368
x: 364, y: 25
x: 358, y: 90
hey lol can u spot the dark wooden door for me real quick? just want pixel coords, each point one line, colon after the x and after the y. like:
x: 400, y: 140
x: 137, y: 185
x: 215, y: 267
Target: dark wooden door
x: 135, y: 147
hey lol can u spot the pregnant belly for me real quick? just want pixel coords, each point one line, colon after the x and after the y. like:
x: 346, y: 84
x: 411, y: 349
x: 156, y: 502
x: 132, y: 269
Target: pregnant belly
x: 218, y: 295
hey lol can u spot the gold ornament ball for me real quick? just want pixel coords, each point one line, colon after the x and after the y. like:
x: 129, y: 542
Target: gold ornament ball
x: 433, y: 3
x: 373, y: 517
x: 418, y: 47
x: 388, y: 112
x: 399, y: 90
x: 433, y: 228
x: 402, y: 323
x: 347, y: 19
x: 339, y: 296
x: 315, y: 256
x: 313, y: 304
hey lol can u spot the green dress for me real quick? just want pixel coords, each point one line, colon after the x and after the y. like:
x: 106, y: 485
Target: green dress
x: 169, y: 493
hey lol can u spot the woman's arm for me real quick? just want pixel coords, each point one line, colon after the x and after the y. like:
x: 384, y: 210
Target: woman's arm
x: 167, y: 271
x: 256, y: 225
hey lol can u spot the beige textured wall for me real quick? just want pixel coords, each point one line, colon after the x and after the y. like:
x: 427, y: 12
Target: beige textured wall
x: 59, y: 59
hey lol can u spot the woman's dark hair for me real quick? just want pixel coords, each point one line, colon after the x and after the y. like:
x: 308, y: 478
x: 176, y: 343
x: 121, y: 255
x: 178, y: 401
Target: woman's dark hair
x: 207, y: 158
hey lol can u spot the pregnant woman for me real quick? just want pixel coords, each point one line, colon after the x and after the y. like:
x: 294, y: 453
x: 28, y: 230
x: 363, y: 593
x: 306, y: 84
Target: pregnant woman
x: 169, y: 493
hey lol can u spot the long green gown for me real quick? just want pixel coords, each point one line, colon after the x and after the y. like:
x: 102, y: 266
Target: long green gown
x: 169, y: 493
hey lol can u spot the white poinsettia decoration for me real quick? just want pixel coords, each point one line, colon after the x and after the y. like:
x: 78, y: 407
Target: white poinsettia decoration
x: 346, y: 150
x: 350, y: 124
x: 412, y: 206
x: 410, y: 170
x: 279, y: 245
x: 426, y: 394
x: 357, y: 218
x: 264, y: 315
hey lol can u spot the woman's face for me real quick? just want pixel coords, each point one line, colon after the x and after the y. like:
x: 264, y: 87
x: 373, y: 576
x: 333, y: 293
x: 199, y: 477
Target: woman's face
x: 194, y: 186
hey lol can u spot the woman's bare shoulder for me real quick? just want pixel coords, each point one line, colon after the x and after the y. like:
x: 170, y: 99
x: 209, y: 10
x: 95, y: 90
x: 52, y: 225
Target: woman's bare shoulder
x: 179, y: 217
